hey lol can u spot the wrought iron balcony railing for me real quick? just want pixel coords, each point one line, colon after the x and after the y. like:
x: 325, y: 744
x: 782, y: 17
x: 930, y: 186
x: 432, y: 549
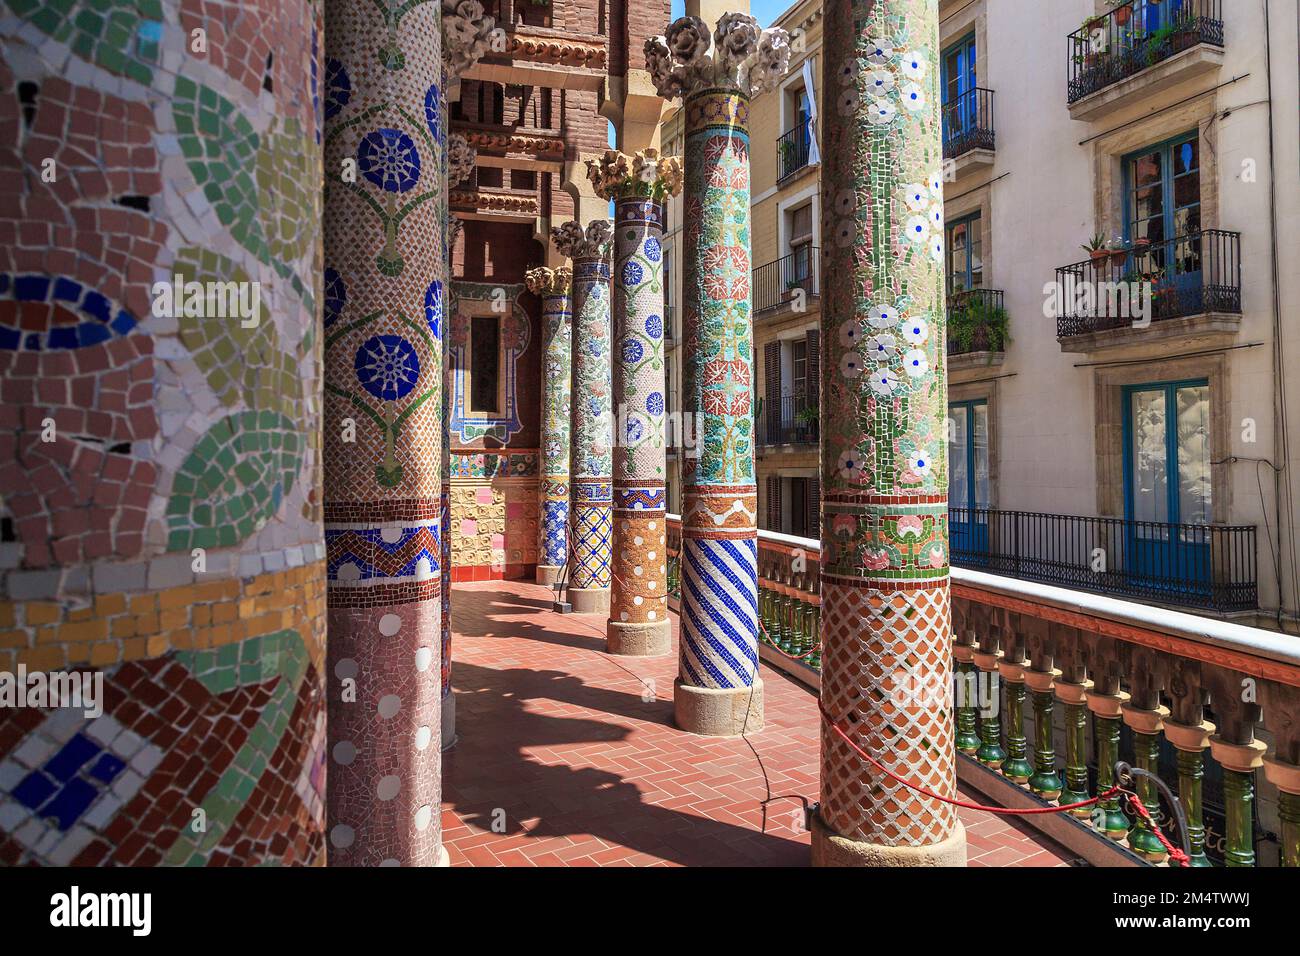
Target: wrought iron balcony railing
x: 968, y: 123
x: 779, y: 282
x: 1134, y: 36
x: 791, y: 421
x: 1110, y: 665
x: 976, y: 321
x: 1190, y: 565
x: 792, y: 149
x: 1186, y: 275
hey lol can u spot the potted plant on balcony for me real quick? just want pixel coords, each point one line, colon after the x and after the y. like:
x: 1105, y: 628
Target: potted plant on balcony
x: 1119, y: 251
x: 792, y: 288
x: 975, y: 324
x: 1123, y: 11
x: 1096, y: 247
x: 807, y: 419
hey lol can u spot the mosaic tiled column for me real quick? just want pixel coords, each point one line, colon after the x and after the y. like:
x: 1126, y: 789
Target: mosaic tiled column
x: 886, y: 622
x: 385, y: 211
x: 718, y: 690
x: 467, y: 33
x: 638, y: 185
x: 160, y: 374
x: 553, y: 286
x: 592, y: 462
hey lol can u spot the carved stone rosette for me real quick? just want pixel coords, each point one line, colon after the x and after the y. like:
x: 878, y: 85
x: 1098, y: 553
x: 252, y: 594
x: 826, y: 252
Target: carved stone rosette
x: 553, y: 286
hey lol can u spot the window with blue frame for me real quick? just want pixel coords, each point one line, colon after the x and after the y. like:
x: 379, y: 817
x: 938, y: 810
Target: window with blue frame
x: 1153, y: 15
x: 1167, y: 483
x: 1167, y: 463
x: 957, y: 82
x: 1162, y: 215
x: 965, y: 254
x: 968, y: 479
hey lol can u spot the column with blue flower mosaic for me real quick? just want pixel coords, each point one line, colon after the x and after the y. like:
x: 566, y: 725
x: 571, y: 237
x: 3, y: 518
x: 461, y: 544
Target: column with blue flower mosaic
x: 638, y: 185
x: 552, y: 286
x: 718, y: 690
x: 592, y: 460
x: 384, y: 216
x: 886, y: 625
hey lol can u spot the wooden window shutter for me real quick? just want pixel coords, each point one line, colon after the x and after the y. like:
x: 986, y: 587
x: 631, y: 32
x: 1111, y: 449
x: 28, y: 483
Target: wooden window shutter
x: 814, y: 339
x: 772, y: 390
x: 814, y: 503
x: 773, y: 503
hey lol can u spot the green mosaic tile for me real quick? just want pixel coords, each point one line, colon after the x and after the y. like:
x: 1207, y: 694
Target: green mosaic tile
x: 120, y: 36
x: 241, y: 470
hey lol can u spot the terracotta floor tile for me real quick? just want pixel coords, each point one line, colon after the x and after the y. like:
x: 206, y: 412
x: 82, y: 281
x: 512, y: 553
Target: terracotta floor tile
x: 556, y: 734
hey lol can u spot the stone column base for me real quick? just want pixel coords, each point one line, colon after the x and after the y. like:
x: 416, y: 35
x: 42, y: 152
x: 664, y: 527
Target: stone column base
x: 589, y: 600
x: 654, y: 639
x: 718, y: 713
x: 449, y: 721
x: 548, y: 574
x: 444, y: 858
x: 831, y: 849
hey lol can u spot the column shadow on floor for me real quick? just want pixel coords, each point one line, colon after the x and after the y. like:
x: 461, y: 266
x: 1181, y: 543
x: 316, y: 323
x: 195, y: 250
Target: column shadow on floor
x: 488, y: 772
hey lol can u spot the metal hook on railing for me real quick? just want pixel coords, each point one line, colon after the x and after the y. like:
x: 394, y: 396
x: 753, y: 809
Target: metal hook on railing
x: 1125, y: 776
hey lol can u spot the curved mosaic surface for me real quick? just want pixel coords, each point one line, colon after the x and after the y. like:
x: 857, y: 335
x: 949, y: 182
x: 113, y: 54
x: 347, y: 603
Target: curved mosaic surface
x: 158, y: 459
x: 885, y: 602
x: 593, y: 458
x: 385, y: 260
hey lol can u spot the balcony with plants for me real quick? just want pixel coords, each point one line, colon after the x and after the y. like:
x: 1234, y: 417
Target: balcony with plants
x: 1150, y: 290
x: 1138, y: 48
x: 978, y: 327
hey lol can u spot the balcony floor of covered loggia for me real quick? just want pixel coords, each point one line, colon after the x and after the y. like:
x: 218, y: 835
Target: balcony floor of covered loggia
x: 568, y: 756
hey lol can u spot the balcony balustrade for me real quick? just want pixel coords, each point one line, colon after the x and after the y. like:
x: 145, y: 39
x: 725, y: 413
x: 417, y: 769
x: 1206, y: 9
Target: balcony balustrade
x: 976, y: 321
x: 792, y: 151
x: 1195, y: 274
x: 778, y: 283
x: 968, y: 123
x: 1135, y: 36
x: 791, y: 421
x: 1174, y: 694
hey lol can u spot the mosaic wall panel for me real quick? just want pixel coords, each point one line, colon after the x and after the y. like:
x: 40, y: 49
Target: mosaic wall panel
x: 159, y: 450
x: 885, y: 604
x: 385, y: 233
x: 720, y: 499
x: 493, y: 529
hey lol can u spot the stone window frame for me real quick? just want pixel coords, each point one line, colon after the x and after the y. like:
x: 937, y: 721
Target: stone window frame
x: 478, y: 309
x: 1108, y: 395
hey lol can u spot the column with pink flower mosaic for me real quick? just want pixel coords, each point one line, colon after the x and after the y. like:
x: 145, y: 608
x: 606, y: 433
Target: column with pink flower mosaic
x: 638, y: 185
x: 886, y: 623
x: 718, y: 690
x: 592, y: 461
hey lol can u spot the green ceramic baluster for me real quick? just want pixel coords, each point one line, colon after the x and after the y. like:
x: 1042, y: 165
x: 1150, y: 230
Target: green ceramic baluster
x: 990, y: 752
x: 1108, y: 817
x: 1076, y: 767
x: 1288, y: 809
x: 1045, y: 782
x: 1191, y: 770
x: 1016, y: 768
x: 968, y: 741
x: 1142, y: 839
x: 1238, y: 801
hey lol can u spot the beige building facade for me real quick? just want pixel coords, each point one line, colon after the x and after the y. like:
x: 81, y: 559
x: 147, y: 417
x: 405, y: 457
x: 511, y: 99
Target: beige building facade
x: 1122, y: 420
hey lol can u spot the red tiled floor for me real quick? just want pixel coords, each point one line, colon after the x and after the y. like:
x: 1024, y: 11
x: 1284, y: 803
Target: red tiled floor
x: 568, y: 757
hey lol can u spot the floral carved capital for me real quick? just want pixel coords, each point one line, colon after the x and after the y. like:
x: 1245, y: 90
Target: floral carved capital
x: 468, y: 34
x: 592, y: 243
x: 739, y: 56
x: 543, y: 281
x: 644, y: 174
x: 461, y: 157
